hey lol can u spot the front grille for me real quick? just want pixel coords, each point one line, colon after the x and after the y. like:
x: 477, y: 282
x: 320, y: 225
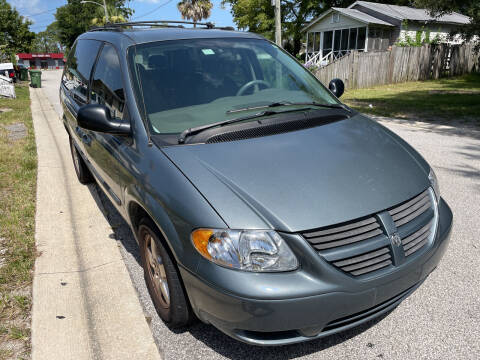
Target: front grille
x: 410, y: 210
x: 361, y: 246
x: 365, y: 263
x: 415, y: 220
x: 344, y: 234
x: 419, y: 238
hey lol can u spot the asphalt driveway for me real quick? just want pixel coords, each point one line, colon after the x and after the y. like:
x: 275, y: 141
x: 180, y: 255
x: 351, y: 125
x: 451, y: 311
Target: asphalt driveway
x: 439, y: 321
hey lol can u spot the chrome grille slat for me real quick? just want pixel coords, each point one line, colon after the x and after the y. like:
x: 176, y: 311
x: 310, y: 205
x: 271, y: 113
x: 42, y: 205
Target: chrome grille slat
x: 413, y: 215
x: 361, y: 258
x: 408, y: 203
x: 411, y: 209
x: 372, y: 268
x: 350, y: 233
x: 347, y: 241
x: 416, y: 234
x: 366, y: 263
x: 416, y: 241
x: 416, y: 247
x: 337, y: 229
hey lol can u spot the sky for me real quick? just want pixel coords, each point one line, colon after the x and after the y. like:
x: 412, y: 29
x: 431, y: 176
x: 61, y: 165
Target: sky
x: 41, y: 12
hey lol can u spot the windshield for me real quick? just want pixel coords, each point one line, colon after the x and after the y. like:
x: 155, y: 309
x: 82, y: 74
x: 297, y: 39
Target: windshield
x: 189, y: 83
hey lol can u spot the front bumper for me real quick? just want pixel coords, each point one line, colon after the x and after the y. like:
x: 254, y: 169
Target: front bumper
x: 310, y: 303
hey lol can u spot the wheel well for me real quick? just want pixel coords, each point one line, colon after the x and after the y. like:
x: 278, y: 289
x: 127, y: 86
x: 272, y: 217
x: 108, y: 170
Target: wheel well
x: 136, y: 214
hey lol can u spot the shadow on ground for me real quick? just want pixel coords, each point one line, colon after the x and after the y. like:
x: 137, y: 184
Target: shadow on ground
x: 439, y: 127
x: 234, y: 349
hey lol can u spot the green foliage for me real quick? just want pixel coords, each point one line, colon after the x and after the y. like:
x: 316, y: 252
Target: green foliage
x: 195, y: 10
x: 422, y: 37
x: 258, y: 16
x: 469, y: 8
x: 15, y: 35
x: 75, y: 18
x: 47, y: 41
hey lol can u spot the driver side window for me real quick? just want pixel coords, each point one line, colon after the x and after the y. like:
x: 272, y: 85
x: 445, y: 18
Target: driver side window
x: 107, y: 86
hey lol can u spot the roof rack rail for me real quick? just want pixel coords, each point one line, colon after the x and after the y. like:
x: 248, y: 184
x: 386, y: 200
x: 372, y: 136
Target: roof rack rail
x: 156, y: 23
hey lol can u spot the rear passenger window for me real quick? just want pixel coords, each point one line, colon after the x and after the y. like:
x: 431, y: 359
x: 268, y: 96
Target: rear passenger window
x: 78, y: 69
x: 107, y: 86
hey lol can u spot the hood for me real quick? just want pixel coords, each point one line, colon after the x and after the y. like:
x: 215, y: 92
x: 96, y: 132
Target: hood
x: 304, y: 179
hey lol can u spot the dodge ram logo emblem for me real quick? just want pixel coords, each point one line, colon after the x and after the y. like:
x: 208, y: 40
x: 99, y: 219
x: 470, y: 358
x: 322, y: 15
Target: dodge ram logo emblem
x: 396, y: 239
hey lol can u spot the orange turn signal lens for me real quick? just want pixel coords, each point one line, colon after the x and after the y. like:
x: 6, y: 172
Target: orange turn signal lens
x: 200, y: 239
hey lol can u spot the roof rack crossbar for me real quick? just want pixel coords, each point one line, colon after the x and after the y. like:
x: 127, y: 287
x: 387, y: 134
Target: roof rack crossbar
x: 156, y: 23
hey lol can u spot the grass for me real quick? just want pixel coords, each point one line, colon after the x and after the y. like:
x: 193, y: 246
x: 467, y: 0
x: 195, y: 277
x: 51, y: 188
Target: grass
x: 18, y: 168
x: 447, y: 100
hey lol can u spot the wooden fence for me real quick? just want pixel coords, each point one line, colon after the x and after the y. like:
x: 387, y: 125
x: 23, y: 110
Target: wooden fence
x: 365, y: 69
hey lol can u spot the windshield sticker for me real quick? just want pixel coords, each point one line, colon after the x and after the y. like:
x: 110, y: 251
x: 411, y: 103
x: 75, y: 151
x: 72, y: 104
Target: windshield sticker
x: 208, y: 52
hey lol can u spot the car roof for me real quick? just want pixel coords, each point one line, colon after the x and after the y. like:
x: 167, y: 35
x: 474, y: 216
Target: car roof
x: 139, y: 36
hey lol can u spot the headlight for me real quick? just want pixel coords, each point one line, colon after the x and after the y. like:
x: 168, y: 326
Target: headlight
x: 248, y: 250
x: 434, y: 182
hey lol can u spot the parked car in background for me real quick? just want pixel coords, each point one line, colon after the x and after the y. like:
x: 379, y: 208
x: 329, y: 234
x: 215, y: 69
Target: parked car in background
x: 261, y: 204
x: 7, y: 70
x: 18, y: 68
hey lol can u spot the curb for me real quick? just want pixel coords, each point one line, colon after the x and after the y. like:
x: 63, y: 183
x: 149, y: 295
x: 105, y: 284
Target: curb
x: 84, y: 303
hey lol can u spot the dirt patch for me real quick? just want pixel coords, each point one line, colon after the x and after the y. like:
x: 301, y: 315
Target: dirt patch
x: 16, y: 131
x: 2, y: 110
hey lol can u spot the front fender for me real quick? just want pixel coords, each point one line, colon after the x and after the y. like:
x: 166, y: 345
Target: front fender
x: 176, y: 213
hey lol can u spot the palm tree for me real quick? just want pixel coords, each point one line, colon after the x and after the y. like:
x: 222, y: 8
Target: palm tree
x: 115, y: 15
x: 195, y: 10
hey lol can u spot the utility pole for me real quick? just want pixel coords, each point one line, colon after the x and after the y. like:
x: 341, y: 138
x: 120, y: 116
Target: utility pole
x: 104, y: 7
x: 278, y: 23
x: 106, y: 12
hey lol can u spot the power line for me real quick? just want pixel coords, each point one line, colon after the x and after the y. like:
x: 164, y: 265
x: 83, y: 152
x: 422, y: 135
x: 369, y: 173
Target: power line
x: 152, y: 11
x: 41, y: 12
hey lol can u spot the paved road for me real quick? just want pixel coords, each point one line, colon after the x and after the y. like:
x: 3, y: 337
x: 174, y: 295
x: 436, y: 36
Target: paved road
x: 439, y: 321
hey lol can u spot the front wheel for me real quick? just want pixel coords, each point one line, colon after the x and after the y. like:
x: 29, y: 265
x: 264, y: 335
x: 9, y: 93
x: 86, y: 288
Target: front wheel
x: 83, y: 173
x: 162, y: 278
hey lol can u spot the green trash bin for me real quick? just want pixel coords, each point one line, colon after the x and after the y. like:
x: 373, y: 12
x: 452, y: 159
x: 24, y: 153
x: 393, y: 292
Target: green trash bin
x: 23, y: 74
x: 35, y: 78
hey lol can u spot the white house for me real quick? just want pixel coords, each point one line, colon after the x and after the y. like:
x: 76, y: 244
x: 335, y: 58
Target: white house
x: 367, y: 26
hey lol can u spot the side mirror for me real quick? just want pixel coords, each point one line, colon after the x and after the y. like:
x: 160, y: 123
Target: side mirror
x: 97, y: 117
x: 337, y: 87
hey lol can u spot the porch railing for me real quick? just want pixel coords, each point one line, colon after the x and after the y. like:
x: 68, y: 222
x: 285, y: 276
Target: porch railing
x: 316, y: 58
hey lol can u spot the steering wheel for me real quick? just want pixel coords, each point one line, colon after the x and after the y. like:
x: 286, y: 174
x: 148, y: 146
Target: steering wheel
x: 252, y: 83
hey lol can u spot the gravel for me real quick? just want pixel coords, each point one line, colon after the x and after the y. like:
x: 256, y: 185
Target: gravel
x: 438, y: 321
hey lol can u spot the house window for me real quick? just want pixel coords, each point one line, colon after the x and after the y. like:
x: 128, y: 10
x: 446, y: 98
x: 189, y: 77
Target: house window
x: 362, y: 32
x: 352, y: 43
x: 336, y: 40
x: 311, y: 39
x: 335, y: 18
x: 344, y: 42
x: 316, y: 42
x: 327, y: 41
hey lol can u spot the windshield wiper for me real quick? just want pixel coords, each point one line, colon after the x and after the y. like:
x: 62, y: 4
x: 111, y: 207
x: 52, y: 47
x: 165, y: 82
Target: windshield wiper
x: 289, y: 103
x: 193, y: 131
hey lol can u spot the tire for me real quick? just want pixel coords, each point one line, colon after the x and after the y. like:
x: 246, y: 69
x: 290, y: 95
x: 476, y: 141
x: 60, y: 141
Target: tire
x: 337, y: 87
x: 83, y: 173
x: 163, y: 280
